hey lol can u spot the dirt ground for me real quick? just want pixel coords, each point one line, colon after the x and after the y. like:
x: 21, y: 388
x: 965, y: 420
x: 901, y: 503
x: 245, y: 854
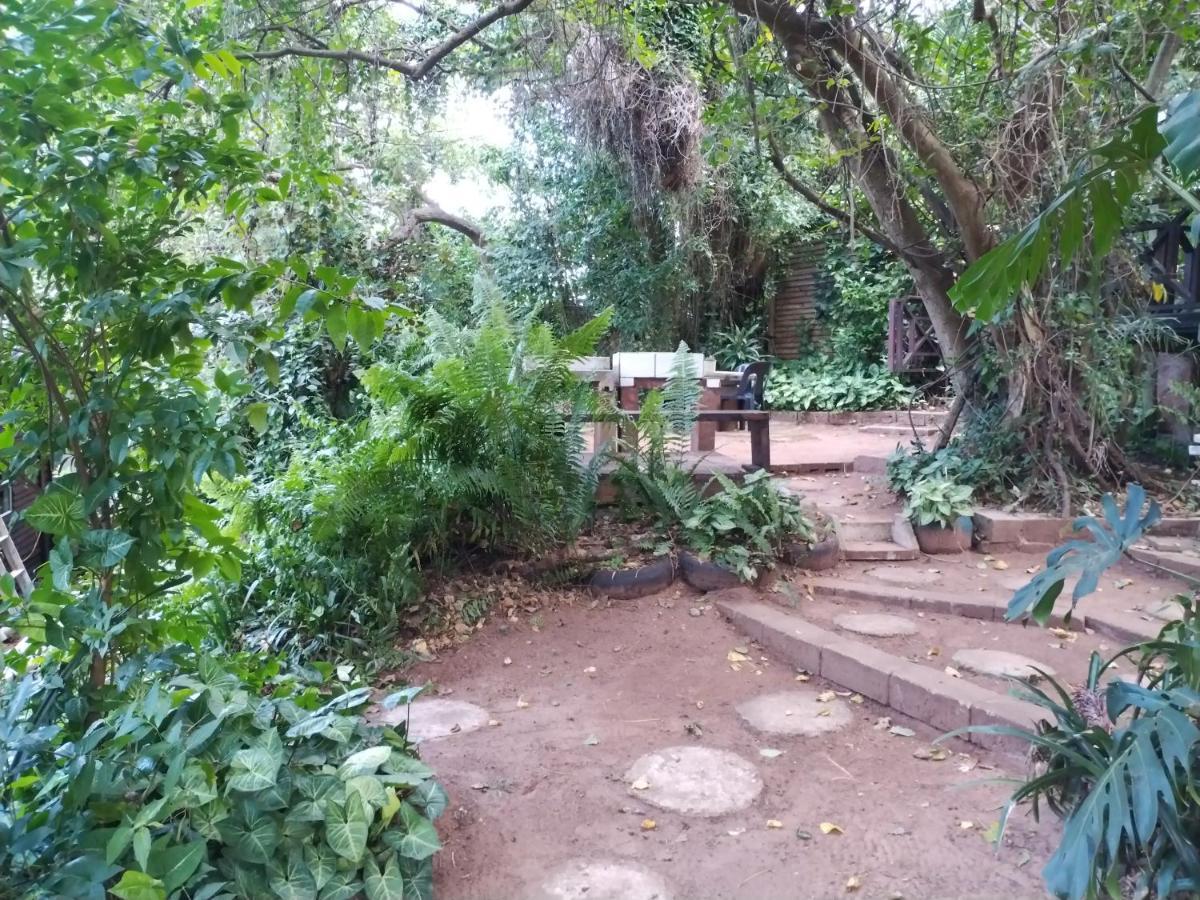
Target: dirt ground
x: 576, y: 695
x: 545, y: 786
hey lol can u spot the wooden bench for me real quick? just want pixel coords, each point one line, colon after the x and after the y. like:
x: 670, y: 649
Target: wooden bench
x: 758, y: 421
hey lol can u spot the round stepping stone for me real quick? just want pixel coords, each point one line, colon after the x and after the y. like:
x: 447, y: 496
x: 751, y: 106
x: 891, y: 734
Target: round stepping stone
x: 1000, y: 664
x: 604, y: 881
x: 433, y: 719
x: 695, y: 780
x: 876, y: 625
x: 794, y: 713
x: 903, y: 576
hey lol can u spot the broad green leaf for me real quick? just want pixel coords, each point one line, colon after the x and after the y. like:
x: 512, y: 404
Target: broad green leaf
x: 341, y: 887
x: 385, y: 885
x: 138, y: 886
x: 369, y: 789
x: 254, y: 769
x: 105, y: 547
x: 420, y: 839
x: 57, y: 511
x: 177, y: 864
x: 346, y: 829
x: 1182, y: 131
x: 335, y: 323
x: 257, y: 416
x: 321, y: 864
x: 430, y: 797
x: 253, y: 837
x: 291, y: 879
x: 141, y: 848
x: 364, y: 762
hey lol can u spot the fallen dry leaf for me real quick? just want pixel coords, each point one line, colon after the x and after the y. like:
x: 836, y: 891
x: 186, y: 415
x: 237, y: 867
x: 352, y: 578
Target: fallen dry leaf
x: 901, y: 731
x: 933, y: 651
x: 953, y: 672
x: 1000, y: 564
x: 881, y: 723
x: 931, y: 754
x: 522, y: 703
x: 966, y: 825
x: 853, y: 883
x: 649, y: 824
x: 830, y: 828
x: 774, y: 823
x: 826, y: 711
x: 640, y: 785
x: 826, y: 696
x: 734, y: 657
x: 802, y: 676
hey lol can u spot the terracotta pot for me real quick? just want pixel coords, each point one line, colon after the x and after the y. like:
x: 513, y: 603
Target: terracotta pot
x: 629, y: 584
x: 935, y: 539
x: 706, y: 576
x: 824, y: 554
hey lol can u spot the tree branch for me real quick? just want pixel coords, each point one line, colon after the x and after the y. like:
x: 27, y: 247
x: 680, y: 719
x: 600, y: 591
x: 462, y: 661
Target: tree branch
x: 1161, y: 67
x: 820, y: 203
x: 431, y: 212
x: 414, y: 71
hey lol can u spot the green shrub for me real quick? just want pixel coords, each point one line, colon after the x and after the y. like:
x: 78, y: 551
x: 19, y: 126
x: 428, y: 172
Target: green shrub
x: 480, y: 453
x: 828, y: 385
x: 745, y: 526
x: 1116, y: 759
x: 737, y: 344
x: 938, y: 501
x: 203, y: 781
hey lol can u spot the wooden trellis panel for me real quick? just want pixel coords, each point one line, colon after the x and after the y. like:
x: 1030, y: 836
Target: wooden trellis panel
x: 912, y: 345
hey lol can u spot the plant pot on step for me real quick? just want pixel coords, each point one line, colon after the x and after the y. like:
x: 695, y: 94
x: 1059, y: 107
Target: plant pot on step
x: 629, y: 584
x: 816, y: 557
x: 938, y: 539
x: 706, y: 576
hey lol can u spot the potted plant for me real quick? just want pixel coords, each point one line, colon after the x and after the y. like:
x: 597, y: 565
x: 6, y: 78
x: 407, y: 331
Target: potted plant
x: 940, y: 511
x: 815, y: 548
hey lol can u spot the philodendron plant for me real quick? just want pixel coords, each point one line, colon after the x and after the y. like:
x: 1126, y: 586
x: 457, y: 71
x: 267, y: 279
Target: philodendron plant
x: 938, y: 501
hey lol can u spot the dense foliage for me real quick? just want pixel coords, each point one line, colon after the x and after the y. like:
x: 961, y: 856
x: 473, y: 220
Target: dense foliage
x: 477, y: 453
x: 830, y: 383
x: 1117, y: 757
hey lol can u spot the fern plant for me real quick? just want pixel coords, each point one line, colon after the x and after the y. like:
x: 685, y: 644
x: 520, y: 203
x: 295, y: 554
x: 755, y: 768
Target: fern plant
x: 480, y: 453
x: 1118, y: 758
x: 745, y: 526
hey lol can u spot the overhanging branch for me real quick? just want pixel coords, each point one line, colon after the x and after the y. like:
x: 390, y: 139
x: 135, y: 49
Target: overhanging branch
x: 820, y: 203
x: 413, y: 70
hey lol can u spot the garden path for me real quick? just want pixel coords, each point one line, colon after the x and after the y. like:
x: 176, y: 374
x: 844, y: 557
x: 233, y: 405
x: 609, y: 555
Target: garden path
x: 558, y: 795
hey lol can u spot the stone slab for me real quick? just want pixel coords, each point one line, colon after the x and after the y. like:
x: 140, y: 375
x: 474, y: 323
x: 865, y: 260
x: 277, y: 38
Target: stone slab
x: 794, y: 713
x: 1000, y: 664
x: 876, y: 625
x: 435, y: 718
x: 697, y: 781
x: 604, y: 880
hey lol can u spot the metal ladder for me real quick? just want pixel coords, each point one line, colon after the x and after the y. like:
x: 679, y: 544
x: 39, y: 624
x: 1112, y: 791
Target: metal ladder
x: 13, y: 564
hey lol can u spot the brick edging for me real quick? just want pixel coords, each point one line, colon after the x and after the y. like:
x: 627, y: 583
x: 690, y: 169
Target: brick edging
x: 911, y: 689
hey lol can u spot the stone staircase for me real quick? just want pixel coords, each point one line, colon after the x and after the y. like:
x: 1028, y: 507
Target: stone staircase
x: 919, y: 692
x: 885, y: 537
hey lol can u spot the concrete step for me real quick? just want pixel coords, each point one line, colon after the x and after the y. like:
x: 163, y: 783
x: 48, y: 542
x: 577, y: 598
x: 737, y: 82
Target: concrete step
x: 886, y: 537
x: 1125, y: 626
x: 869, y: 551
x: 911, y: 689
x: 1178, y: 562
x: 900, y: 431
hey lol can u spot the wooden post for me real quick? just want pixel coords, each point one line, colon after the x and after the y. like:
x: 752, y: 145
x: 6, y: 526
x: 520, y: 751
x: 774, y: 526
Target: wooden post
x: 760, y: 442
x: 704, y: 435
